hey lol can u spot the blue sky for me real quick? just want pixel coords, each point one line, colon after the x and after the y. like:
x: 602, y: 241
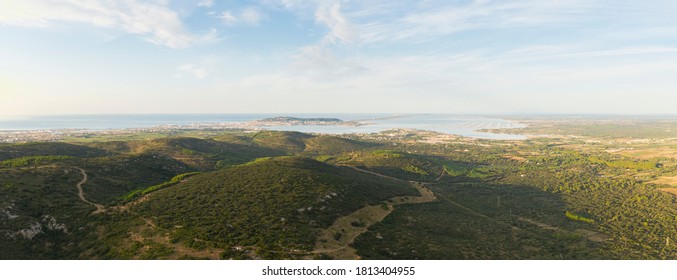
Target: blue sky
x: 293, y: 56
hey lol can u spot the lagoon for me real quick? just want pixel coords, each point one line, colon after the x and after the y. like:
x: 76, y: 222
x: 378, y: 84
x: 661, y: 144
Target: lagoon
x: 449, y: 124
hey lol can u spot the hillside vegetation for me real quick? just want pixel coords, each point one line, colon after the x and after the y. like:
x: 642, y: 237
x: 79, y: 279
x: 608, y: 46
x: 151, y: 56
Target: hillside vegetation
x: 289, y: 195
x: 274, y: 204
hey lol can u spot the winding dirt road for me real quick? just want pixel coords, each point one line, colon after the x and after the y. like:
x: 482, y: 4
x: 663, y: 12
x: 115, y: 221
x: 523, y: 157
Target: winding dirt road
x: 99, y: 208
x: 368, y: 215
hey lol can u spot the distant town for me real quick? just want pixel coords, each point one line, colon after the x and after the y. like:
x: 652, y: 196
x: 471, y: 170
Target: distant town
x: 52, y: 135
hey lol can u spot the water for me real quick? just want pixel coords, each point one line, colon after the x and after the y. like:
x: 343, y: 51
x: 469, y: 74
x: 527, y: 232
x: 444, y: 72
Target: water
x: 450, y: 124
x: 99, y: 122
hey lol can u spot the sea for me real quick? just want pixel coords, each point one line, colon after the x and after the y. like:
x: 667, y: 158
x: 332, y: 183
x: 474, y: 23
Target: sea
x: 450, y: 124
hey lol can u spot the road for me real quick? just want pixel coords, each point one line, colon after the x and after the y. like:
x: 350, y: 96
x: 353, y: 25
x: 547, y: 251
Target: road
x: 81, y: 193
x: 369, y: 215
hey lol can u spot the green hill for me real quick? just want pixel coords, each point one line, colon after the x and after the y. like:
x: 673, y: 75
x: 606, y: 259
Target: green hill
x: 205, y: 154
x: 12, y: 151
x: 397, y: 164
x: 274, y: 204
x: 332, y: 145
x: 41, y: 216
x: 110, y: 178
x: 288, y: 141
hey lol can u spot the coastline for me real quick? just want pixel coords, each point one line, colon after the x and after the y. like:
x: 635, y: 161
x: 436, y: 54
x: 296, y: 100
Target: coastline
x: 85, y: 126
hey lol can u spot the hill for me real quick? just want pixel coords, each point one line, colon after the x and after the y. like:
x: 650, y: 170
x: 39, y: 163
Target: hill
x: 397, y: 164
x: 272, y: 204
x: 12, y: 151
x: 333, y: 145
x: 287, y: 141
x: 205, y: 154
x: 41, y: 216
x: 110, y: 178
x: 301, y: 120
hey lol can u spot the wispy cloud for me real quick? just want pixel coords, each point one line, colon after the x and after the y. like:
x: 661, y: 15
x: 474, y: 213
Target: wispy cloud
x: 469, y: 83
x: 228, y: 18
x: 620, y: 52
x: 251, y: 15
x: 206, y: 3
x: 248, y: 15
x: 320, y: 60
x: 352, y: 25
x: 341, y: 30
x: 198, y: 72
x: 433, y: 55
x: 152, y: 20
x: 392, y: 21
x: 427, y: 21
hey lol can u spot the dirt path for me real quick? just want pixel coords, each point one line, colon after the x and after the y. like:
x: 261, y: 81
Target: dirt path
x: 440, y: 177
x: 588, y: 234
x: 374, y: 173
x: 99, y: 208
x: 336, y: 239
x: 471, y: 211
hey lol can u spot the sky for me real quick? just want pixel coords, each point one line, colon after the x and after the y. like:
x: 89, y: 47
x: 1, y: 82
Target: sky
x: 337, y: 56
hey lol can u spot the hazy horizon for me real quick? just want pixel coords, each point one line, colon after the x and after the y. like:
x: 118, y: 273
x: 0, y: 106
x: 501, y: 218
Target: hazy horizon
x: 270, y: 56
x: 292, y: 114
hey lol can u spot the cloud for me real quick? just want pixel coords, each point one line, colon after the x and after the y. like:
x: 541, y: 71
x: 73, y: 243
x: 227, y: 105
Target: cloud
x: 321, y: 63
x: 378, y: 20
x: 152, y: 20
x: 324, y: 60
x: 199, y: 72
x: 472, y: 82
x: 248, y: 15
x: 621, y: 52
x: 340, y: 28
x: 206, y: 3
x: 228, y: 18
x: 251, y: 15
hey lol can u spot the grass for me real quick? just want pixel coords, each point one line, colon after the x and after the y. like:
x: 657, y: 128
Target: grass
x: 667, y: 180
x: 31, y: 161
x: 672, y: 191
x: 175, y: 180
x: 576, y: 217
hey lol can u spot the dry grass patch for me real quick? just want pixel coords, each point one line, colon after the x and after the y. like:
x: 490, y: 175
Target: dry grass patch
x: 668, y: 180
x: 648, y: 153
x: 335, y: 240
x: 592, y: 235
x: 515, y: 158
x: 672, y: 191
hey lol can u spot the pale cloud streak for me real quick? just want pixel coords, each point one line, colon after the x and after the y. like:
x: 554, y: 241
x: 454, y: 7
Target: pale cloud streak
x: 198, y: 72
x: 251, y: 15
x: 151, y: 20
x: 465, y: 83
x: 620, y: 52
x: 521, y: 75
x: 248, y: 15
x: 206, y: 3
x: 395, y: 21
x: 377, y: 55
x: 341, y: 30
x: 425, y: 22
x: 323, y: 60
x: 228, y: 18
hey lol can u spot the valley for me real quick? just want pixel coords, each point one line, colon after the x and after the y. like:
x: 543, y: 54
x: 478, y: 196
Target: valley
x: 574, y: 189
